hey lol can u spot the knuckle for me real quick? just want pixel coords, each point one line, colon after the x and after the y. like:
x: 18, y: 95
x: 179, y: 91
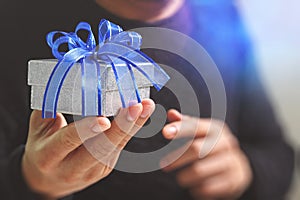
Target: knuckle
x: 233, y: 141
x: 69, y: 139
x: 96, y: 173
x: 139, y: 123
x: 120, y: 124
x: 69, y: 179
x: 43, y: 164
x: 105, y: 171
x: 119, y: 133
x: 90, y: 176
x: 228, y: 161
x: 123, y: 142
x: 136, y: 127
x: 110, y: 163
x: 100, y: 150
x: 206, y: 190
x: 197, y: 169
x: 230, y: 141
x: 195, y: 149
x: 120, y: 138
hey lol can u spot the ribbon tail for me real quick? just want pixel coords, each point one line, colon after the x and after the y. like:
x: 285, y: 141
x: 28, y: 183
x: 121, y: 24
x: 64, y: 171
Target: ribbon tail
x: 91, y: 87
x: 126, y: 83
x: 152, y: 71
x: 137, y: 93
x: 99, y: 87
x: 56, y: 80
x: 53, y: 89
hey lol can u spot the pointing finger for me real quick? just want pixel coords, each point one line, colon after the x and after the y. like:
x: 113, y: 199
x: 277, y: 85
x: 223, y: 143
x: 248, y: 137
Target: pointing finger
x: 192, y: 127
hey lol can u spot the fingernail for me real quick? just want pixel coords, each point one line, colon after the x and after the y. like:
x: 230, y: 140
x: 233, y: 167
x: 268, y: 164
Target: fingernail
x: 164, y: 165
x: 171, y: 131
x: 96, y: 128
x: 133, y: 113
x: 146, y: 111
x: 101, y: 125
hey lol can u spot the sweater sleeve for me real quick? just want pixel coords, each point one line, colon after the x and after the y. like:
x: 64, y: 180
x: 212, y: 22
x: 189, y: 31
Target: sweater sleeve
x: 12, y: 184
x: 262, y: 139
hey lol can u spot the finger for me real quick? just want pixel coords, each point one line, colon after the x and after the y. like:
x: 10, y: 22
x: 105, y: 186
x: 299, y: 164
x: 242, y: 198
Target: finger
x: 105, y: 147
x: 148, y: 108
x: 202, y: 170
x: 215, y: 187
x: 68, y: 138
x: 39, y: 127
x: 195, y: 151
x: 122, y: 125
x: 181, y: 157
x: 174, y: 115
x: 95, y: 173
x: 95, y: 151
x: 186, y: 127
x: 192, y: 127
x: 122, y: 131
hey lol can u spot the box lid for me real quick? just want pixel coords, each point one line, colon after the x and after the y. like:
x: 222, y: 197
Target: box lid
x: 39, y: 72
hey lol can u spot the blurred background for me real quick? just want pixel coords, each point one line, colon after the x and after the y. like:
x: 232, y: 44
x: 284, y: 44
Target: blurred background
x: 274, y: 26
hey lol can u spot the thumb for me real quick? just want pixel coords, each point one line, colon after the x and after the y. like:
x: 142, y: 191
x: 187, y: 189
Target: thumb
x: 40, y: 126
x: 174, y: 115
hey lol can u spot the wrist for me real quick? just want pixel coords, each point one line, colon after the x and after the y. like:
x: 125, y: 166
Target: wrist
x: 30, y: 178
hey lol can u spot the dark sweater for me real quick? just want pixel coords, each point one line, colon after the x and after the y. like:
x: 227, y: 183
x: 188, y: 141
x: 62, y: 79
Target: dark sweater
x: 215, y: 25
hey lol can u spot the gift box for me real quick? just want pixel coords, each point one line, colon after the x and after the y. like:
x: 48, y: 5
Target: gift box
x: 93, y: 79
x: 70, y: 98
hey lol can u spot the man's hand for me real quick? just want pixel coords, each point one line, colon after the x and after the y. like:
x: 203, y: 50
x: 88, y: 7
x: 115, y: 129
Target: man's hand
x: 224, y: 173
x: 61, y: 159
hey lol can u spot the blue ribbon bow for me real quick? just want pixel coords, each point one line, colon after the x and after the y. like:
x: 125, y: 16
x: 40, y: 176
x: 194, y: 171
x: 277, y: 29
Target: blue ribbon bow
x: 117, y: 47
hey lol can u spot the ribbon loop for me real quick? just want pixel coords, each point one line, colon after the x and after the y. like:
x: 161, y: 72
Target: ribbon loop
x: 118, y: 47
x: 91, y: 42
x: 131, y: 39
x: 107, y: 30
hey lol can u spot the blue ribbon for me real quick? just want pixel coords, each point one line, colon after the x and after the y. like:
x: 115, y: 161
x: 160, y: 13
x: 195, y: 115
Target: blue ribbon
x: 120, y: 48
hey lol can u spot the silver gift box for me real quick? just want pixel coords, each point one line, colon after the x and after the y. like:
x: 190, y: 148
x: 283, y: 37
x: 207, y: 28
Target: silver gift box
x: 70, y: 98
